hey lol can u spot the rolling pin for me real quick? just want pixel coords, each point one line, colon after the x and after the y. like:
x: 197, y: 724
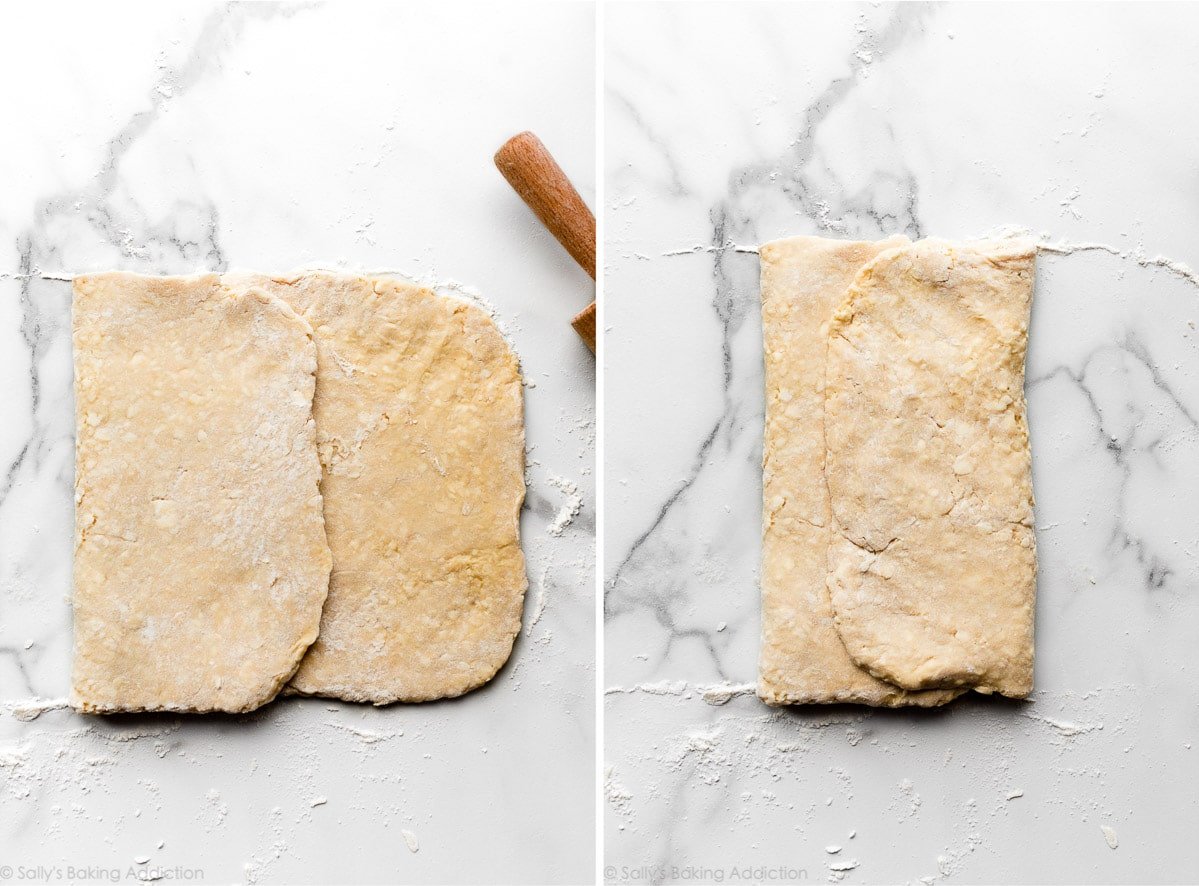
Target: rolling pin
x: 539, y: 180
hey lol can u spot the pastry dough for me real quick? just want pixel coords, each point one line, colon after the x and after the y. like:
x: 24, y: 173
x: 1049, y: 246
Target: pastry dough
x: 933, y: 566
x: 803, y: 659
x: 898, y: 555
x: 201, y: 564
x: 421, y: 435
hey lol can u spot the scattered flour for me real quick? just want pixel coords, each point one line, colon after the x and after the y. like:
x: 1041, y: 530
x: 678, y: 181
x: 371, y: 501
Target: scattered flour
x: 1064, y: 727
x: 1175, y: 267
x: 662, y: 687
x: 1109, y: 834
x: 618, y: 797
x: 539, y: 604
x: 217, y: 809
x: 699, y: 249
x: 908, y: 801
x: 1138, y: 255
x: 38, y: 275
x: 367, y: 736
x: 570, y: 508
x: 30, y: 709
x: 706, y: 750
x: 712, y: 693
x: 723, y: 693
x: 838, y: 869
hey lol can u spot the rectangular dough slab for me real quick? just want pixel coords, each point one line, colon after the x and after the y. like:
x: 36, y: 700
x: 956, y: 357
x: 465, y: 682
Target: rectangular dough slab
x: 810, y: 562
x: 201, y: 565
x: 933, y: 563
x: 802, y: 658
x: 419, y: 412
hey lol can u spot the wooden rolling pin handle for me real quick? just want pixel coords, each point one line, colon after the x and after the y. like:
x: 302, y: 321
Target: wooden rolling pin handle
x: 584, y: 324
x: 542, y: 184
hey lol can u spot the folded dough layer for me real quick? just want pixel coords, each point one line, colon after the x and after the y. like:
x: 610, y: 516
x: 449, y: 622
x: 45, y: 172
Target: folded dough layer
x: 803, y: 659
x: 933, y: 567
x: 419, y: 413
x: 201, y: 564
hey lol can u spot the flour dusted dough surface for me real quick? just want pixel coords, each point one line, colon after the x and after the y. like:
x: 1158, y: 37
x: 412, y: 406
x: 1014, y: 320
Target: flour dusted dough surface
x: 933, y: 566
x: 420, y: 425
x: 201, y: 564
x: 803, y: 659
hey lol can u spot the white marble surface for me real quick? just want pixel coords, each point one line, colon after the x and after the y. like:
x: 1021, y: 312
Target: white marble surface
x: 728, y: 125
x: 168, y: 138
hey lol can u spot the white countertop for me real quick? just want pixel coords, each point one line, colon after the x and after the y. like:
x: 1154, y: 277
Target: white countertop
x: 729, y: 125
x: 167, y: 139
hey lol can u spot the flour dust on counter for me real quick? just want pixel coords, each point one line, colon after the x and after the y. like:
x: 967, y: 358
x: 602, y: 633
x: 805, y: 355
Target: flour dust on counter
x: 728, y: 127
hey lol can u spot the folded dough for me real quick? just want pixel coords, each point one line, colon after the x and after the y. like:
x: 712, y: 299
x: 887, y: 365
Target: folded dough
x: 419, y: 413
x: 200, y: 558
x: 933, y: 565
x: 803, y: 659
x: 821, y: 641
